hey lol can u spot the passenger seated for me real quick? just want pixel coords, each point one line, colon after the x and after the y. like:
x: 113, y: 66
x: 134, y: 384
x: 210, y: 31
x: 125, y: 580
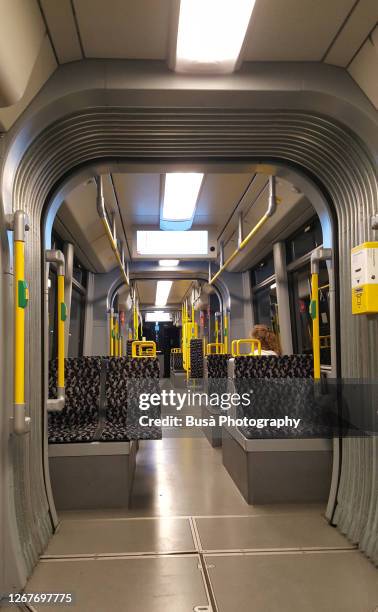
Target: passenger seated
x: 270, y: 344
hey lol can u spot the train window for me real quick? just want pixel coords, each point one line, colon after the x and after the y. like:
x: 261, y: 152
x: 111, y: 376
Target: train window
x: 300, y: 296
x: 305, y: 240
x: 263, y: 270
x: 265, y: 306
x: 79, y: 274
x: 75, y: 345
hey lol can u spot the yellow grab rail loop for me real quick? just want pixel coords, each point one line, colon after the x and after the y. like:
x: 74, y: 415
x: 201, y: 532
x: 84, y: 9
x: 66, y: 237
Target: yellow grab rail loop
x: 253, y: 343
x: 215, y: 348
x: 143, y: 348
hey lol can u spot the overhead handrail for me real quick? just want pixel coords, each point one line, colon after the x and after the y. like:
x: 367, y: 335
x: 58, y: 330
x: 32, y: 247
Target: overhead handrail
x: 317, y: 256
x: 57, y: 257
x: 272, y: 205
x: 18, y: 224
x: 108, y: 230
x: 254, y: 343
x: 143, y: 348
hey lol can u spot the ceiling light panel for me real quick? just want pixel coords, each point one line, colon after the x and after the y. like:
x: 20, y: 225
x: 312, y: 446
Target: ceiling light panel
x: 169, y: 263
x: 158, y: 316
x: 163, y: 289
x: 180, y: 197
x: 211, y: 34
x: 165, y: 244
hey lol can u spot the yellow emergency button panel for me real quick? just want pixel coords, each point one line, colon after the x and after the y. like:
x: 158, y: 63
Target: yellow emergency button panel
x: 365, y: 278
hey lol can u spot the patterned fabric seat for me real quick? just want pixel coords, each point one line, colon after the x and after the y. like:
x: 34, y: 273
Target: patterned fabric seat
x: 79, y: 419
x: 196, y: 358
x: 176, y: 362
x: 127, y: 378
x: 82, y: 420
x: 217, y: 376
x: 280, y: 387
x: 217, y: 366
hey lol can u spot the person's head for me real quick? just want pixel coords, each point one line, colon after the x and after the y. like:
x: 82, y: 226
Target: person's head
x: 269, y: 340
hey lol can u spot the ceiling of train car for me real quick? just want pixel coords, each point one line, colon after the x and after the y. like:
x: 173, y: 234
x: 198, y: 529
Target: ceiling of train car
x: 135, y: 201
x: 293, y: 30
x: 146, y: 290
x: 38, y: 35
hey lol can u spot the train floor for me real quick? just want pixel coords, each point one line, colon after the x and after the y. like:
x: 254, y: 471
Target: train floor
x: 189, y: 542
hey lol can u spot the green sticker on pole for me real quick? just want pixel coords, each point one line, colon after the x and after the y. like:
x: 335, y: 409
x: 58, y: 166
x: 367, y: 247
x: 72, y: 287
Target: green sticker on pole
x: 63, y: 311
x: 312, y: 309
x: 23, y: 294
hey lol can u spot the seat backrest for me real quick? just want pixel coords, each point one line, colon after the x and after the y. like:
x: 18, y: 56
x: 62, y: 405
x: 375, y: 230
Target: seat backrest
x: 270, y: 366
x: 176, y: 362
x: 126, y: 378
x: 217, y: 366
x: 82, y: 384
x: 196, y: 358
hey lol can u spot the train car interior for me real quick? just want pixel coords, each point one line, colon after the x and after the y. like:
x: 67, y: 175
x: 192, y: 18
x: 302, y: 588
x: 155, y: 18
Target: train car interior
x: 189, y: 305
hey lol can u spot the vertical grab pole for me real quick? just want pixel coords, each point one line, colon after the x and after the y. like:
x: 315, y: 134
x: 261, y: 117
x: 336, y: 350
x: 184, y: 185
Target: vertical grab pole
x: 62, y: 316
x: 21, y: 423
x: 315, y: 323
x: 111, y: 332
x: 320, y: 254
x: 57, y: 257
x: 225, y: 333
x: 115, y: 336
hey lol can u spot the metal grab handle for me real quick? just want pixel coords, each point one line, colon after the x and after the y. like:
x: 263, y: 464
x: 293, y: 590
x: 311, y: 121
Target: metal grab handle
x: 18, y: 224
x: 215, y: 348
x: 57, y: 257
x: 111, y: 232
x: 254, y: 344
x: 272, y: 205
x: 143, y: 348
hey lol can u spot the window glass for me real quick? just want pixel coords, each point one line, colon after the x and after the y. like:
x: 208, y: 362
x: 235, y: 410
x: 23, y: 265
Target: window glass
x: 263, y: 270
x: 300, y: 297
x: 266, y: 307
x: 306, y: 240
x: 75, y: 344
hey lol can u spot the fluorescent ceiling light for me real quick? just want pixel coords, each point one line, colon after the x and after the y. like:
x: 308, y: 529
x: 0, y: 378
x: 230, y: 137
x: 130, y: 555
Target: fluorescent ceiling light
x: 162, y: 292
x: 179, y: 243
x: 158, y: 316
x: 169, y: 263
x: 211, y: 34
x: 180, y: 196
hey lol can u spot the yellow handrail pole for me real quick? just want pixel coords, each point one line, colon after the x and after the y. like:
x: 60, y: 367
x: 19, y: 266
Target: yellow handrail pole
x: 21, y: 423
x: 115, y: 327
x: 225, y: 333
x: 57, y: 257
x: 111, y: 332
x: 62, y: 315
x: 315, y: 323
x: 320, y: 254
x: 272, y: 205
